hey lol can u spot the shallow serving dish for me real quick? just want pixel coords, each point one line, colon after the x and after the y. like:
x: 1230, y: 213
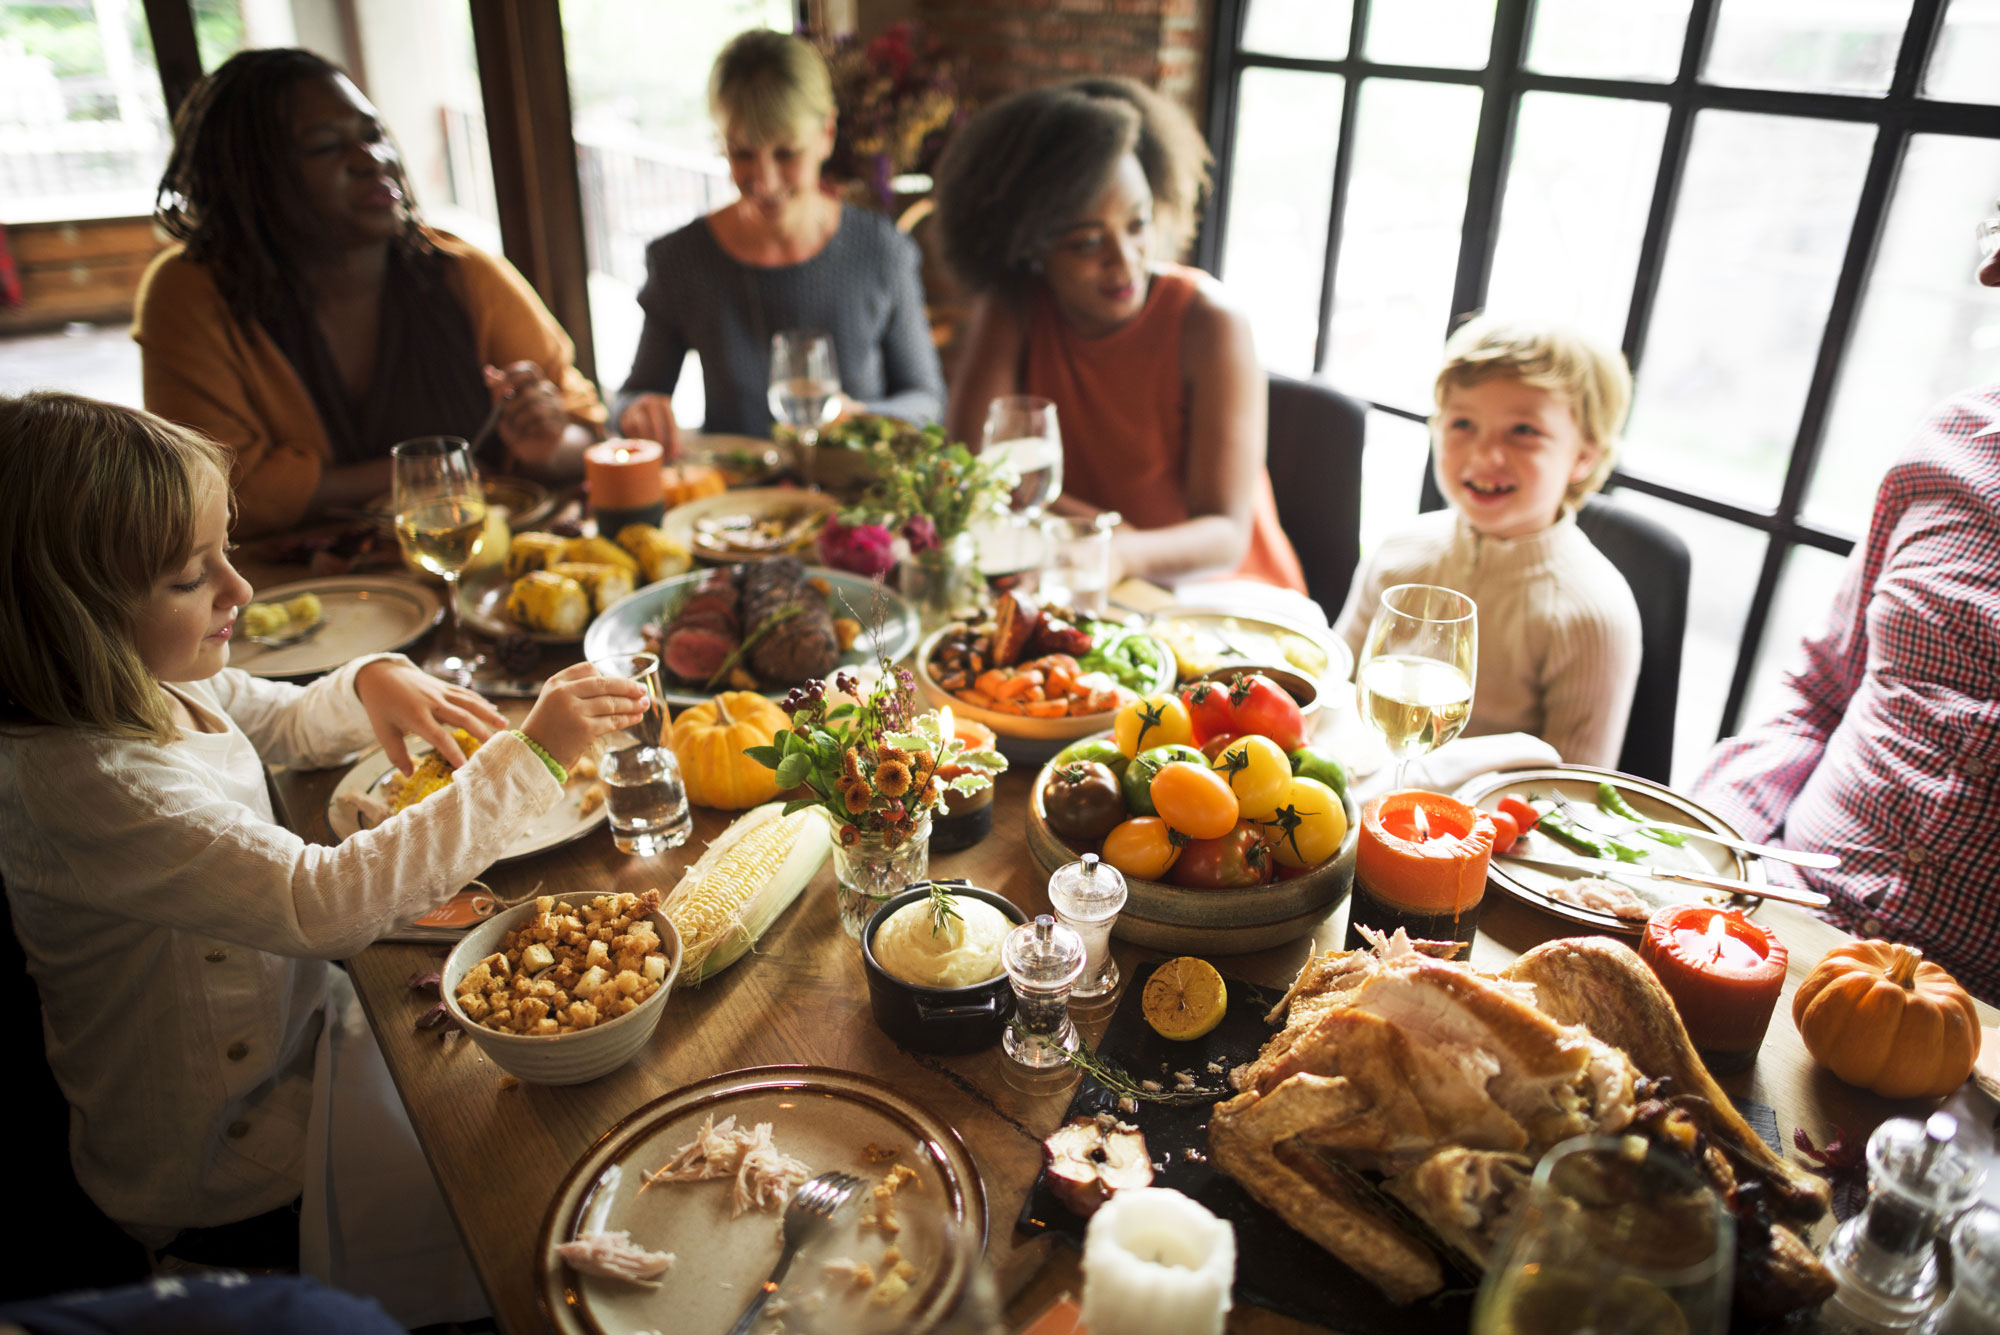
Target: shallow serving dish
x: 557, y: 1059
x: 1178, y: 918
x: 1207, y: 638
x: 938, y: 1019
x: 803, y: 511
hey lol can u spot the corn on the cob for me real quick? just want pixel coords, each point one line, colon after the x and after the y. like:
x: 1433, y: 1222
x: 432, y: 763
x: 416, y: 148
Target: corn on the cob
x: 600, y: 550
x: 533, y: 551
x: 551, y: 603
x: 431, y: 773
x: 737, y: 889
x: 658, y: 555
x: 607, y: 584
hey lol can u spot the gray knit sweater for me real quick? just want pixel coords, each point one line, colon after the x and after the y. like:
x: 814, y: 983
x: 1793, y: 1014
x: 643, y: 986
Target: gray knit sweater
x: 862, y: 288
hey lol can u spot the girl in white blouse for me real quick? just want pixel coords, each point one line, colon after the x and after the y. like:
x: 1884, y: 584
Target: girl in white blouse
x: 216, y: 1068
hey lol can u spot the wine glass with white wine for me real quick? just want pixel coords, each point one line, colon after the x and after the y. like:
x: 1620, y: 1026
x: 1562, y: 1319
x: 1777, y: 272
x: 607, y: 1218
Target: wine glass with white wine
x: 805, y: 387
x: 1418, y: 664
x: 440, y: 516
x: 1615, y: 1238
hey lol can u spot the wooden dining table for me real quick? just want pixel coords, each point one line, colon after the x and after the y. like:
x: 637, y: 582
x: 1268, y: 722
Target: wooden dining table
x: 500, y: 1149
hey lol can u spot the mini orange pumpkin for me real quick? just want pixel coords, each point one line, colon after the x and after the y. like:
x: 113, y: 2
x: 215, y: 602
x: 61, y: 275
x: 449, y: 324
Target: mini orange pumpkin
x: 1882, y: 1017
x: 709, y: 740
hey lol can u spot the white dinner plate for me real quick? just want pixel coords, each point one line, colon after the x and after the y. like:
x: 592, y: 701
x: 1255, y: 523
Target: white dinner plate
x: 482, y: 605
x: 562, y: 823
x: 828, y: 1119
x: 365, y: 614
x: 1578, y: 784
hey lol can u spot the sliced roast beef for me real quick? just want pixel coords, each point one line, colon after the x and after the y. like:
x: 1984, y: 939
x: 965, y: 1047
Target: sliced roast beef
x: 693, y: 653
x: 803, y: 645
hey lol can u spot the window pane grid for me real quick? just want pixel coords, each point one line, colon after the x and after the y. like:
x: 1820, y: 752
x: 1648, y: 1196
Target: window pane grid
x: 1869, y: 79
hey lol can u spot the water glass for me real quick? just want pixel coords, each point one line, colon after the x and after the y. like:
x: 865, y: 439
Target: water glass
x: 805, y: 386
x: 1078, y: 574
x: 1021, y: 430
x: 643, y: 790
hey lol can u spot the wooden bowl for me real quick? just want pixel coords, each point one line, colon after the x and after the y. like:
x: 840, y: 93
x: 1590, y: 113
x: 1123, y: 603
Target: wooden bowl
x: 1181, y: 920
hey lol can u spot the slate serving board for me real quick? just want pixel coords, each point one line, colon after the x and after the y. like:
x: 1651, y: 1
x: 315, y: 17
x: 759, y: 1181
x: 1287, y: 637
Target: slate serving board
x: 1276, y: 1267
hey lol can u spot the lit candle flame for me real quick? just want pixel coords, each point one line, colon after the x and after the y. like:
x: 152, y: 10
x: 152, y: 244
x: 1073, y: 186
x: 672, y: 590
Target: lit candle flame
x: 1423, y: 825
x: 624, y: 455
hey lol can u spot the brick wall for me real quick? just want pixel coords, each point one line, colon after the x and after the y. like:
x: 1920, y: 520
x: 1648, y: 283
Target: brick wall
x: 1013, y: 44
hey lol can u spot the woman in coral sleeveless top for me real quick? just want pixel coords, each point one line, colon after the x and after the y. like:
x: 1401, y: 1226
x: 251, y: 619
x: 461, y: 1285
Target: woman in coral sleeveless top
x: 1056, y: 207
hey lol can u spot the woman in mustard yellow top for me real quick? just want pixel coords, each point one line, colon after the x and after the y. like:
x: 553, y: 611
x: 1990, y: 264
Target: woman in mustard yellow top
x: 309, y: 320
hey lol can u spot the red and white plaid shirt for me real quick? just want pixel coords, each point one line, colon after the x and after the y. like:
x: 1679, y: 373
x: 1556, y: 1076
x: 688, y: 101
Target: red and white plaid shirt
x: 1889, y: 749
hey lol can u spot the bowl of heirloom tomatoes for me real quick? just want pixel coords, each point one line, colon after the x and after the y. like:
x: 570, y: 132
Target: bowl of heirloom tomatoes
x: 1233, y: 835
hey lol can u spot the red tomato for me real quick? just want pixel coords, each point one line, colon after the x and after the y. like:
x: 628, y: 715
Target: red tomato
x: 1208, y: 711
x: 1217, y: 744
x: 1505, y: 830
x: 1258, y: 704
x: 1524, y: 815
x: 1239, y: 858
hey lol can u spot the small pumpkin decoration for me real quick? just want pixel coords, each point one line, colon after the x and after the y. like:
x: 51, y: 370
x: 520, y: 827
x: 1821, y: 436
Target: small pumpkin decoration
x: 691, y: 482
x: 709, y: 741
x: 1884, y: 1018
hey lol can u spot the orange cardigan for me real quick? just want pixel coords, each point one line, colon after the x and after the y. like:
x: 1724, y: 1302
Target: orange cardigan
x: 204, y: 370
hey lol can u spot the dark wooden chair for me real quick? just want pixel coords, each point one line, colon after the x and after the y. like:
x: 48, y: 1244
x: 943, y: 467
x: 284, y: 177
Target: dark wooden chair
x: 1313, y: 454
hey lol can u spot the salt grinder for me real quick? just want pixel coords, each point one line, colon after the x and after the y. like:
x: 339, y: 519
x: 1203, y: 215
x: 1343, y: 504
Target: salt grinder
x: 1042, y: 959
x: 1087, y: 896
x: 1919, y: 1176
x: 1974, y: 1307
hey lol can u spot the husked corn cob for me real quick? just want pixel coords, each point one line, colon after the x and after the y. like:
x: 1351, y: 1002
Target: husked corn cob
x: 545, y: 602
x: 737, y: 889
x: 600, y: 550
x: 659, y: 556
x: 533, y: 551
x: 431, y: 773
x: 607, y: 584
x: 271, y: 619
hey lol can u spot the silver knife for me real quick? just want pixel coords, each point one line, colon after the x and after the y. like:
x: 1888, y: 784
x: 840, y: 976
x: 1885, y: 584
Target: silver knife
x: 1574, y: 867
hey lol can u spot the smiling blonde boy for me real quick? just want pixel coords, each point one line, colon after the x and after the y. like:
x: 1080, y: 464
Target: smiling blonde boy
x: 1526, y: 428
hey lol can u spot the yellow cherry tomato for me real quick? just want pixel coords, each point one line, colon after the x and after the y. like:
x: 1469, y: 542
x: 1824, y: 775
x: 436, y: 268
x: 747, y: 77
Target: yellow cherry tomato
x: 1194, y: 800
x: 1258, y: 771
x: 1308, y: 825
x: 1150, y: 721
x: 1143, y: 847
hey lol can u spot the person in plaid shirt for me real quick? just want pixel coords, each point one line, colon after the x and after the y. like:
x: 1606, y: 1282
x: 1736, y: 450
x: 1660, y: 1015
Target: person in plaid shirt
x: 1888, y: 751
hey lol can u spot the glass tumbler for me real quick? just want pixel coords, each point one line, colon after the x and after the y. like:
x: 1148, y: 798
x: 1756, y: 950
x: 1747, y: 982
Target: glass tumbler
x: 642, y: 778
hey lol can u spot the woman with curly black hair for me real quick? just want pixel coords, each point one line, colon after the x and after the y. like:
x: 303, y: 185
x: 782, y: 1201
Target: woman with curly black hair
x: 309, y: 320
x: 1062, y: 208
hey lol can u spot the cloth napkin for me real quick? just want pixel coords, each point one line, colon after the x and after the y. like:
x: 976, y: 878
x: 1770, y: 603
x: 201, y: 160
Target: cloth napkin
x: 1454, y: 764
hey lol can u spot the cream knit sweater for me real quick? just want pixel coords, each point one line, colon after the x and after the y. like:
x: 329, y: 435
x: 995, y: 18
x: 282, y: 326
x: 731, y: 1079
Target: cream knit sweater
x: 176, y: 930
x: 1558, y: 627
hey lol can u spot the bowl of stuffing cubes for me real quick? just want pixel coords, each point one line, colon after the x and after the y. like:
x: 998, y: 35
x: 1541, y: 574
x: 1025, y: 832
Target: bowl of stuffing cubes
x: 564, y: 989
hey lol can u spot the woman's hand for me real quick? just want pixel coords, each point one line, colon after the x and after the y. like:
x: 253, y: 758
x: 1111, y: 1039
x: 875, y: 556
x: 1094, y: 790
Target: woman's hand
x: 651, y: 417
x: 401, y: 700
x: 532, y: 417
x: 577, y: 706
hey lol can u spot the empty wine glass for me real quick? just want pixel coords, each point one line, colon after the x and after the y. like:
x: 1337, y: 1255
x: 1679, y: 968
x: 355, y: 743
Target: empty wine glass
x: 805, y: 387
x: 1616, y: 1238
x: 440, y: 517
x: 1418, y: 664
x: 1021, y: 429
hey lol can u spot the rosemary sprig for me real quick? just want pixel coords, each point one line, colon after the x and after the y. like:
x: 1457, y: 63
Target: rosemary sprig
x: 944, y: 907
x: 749, y: 642
x: 1117, y: 1080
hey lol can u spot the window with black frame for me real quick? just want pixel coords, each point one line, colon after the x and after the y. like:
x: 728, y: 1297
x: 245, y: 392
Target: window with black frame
x: 1769, y: 204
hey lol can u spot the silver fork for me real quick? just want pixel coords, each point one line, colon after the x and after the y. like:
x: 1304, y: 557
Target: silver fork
x: 812, y: 1206
x: 1821, y: 861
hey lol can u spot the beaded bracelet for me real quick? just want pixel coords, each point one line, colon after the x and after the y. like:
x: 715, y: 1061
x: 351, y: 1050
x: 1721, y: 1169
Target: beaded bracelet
x: 561, y: 774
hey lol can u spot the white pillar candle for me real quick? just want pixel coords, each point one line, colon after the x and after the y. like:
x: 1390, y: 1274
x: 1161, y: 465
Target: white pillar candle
x: 1156, y: 1263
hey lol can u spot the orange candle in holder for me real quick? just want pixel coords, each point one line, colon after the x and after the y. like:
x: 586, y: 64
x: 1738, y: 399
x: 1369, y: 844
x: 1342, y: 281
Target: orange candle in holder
x: 1420, y: 864
x: 625, y: 482
x: 1724, y: 973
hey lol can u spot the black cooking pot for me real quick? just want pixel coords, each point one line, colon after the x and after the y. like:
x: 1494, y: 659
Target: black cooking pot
x: 937, y: 1019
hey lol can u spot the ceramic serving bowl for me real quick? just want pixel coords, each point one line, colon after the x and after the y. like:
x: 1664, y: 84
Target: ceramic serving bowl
x: 1183, y: 919
x: 937, y: 1019
x: 557, y: 1059
x: 1058, y: 730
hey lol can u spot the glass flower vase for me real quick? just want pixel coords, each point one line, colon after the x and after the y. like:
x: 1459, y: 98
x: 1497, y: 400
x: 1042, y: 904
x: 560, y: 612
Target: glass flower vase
x: 942, y: 582
x: 867, y: 872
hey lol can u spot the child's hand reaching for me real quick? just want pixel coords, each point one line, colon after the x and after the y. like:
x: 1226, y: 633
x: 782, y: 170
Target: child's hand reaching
x: 401, y: 700
x: 577, y: 706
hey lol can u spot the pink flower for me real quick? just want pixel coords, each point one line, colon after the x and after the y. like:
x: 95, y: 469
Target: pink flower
x: 921, y: 534
x: 864, y: 549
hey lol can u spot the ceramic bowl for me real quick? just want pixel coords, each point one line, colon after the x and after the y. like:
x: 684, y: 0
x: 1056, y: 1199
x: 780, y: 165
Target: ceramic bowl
x: 558, y: 1059
x: 938, y: 1019
x: 1058, y: 730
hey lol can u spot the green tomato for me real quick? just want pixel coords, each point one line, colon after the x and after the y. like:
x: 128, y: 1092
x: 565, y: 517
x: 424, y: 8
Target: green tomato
x: 1137, y: 781
x: 1310, y: 762
x: 1097, y: 750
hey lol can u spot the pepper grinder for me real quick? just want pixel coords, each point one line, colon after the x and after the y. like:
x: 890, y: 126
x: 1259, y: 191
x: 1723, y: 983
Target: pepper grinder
x: 1974, y: 1308
x: 1882, y: 1259
x: 1087, y: 896
x: 1042, y: 959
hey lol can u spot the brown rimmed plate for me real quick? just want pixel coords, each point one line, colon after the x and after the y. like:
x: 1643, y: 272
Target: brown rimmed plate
x: 827, y: 1118
x: 1578, y: 784
x: 364, y: 614
x: 482, y: 606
